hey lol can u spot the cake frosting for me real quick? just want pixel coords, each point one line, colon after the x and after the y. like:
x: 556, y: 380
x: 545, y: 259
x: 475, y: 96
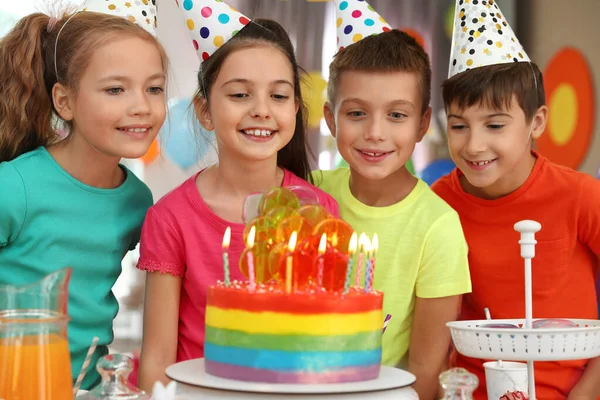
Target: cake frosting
x: 301, y: 337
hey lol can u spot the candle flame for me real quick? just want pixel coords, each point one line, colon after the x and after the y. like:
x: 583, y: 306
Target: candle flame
x: 323, y: 244
x: 367, y: 245
x: 353, y: 244
x: 375, y: 243
x: 292, y: 242
x: 251, y: 236
x: 227, y: 238
x: 362, y: 240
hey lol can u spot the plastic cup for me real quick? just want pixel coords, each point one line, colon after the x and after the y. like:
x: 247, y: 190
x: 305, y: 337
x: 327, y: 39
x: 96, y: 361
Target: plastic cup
x: 505, y: 376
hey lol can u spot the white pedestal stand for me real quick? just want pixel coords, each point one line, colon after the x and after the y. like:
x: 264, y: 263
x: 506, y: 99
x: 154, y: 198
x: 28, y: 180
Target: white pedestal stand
x: 474, y: 339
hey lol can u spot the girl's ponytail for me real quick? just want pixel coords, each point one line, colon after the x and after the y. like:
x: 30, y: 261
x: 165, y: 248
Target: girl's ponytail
x: 26, y: 78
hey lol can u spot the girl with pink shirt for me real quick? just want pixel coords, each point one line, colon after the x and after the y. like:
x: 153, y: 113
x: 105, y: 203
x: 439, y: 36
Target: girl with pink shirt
x: 249, y: 94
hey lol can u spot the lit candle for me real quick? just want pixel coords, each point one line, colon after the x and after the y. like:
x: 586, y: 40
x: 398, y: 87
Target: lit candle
x: 250, y: 254
x: 374, y: 246
x: 289, y: 261
x: 368, y: 263
x: 321, y: 261
x: 351, y: 251
x: 226, y: 240
x: 361, y: 248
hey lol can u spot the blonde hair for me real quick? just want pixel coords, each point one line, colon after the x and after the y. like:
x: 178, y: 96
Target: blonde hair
x: 28, y: 71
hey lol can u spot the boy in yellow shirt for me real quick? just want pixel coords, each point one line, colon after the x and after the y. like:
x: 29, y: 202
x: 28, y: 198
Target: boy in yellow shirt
x: 378, y: 109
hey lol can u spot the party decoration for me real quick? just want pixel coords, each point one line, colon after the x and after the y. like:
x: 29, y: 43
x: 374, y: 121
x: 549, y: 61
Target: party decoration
x: 436, y: 170
x: 142, y: 13
x: 355, y: 20
x: 211, y: 23
x: 226, y: 242
x: 313, y: 88
x: 481, y: 37
x: 322, y: 248
x: 178, y: 137
x: 569, y: 87
x: 152, y: 153
x: 449, y: 21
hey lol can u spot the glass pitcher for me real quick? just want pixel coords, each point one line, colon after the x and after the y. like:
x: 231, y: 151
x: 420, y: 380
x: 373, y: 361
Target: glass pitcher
x: 458, y: 384
x: 34, y: 348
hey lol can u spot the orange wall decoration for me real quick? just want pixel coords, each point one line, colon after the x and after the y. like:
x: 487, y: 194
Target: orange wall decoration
x: 570, y: 100
x: 152, y: 153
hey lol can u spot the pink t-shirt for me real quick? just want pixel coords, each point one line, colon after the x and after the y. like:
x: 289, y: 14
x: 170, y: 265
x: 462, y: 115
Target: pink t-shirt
x: 182, y: 236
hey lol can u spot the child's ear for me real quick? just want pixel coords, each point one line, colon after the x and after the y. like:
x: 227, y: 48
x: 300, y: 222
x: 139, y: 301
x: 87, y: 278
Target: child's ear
x: 539, y: 121
x: 201, y: 111
x: 424, y: 126
x: 63, y: 101
x: 329, y: 118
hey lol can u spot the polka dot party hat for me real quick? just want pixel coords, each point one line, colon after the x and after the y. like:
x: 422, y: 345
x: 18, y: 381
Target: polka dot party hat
x: 211, y: 23
x: 356, y: 19
x: 482, y: 37
x: 140, y: 12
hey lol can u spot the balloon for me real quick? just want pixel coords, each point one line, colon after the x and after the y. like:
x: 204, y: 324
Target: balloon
x: 178, y: 138
x: 341, y: 163
x: 436, y: 170
x: 449, y: 21
x: 313, y: 91
x: 152, y: 153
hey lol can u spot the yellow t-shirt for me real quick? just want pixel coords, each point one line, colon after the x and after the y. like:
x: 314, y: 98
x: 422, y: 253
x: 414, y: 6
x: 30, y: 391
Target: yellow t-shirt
x: 422, y: 252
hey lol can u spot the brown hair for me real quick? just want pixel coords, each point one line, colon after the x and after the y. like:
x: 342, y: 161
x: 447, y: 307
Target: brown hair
x: 294, y: 155
x: 389, y: 51
x: 28, y: 73
x: 495, y: 85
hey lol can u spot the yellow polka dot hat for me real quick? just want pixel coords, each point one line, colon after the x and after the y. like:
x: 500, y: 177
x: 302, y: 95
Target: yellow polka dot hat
x: 140, y: 12
x: 356, y: 19
x: 482, y: 36
x: 211, y: 23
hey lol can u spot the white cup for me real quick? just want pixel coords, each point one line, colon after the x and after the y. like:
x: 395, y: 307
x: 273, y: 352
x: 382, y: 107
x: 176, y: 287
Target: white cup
x: 505, y: 376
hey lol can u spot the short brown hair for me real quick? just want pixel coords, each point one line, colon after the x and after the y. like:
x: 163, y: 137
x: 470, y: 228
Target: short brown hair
x: 28, y: 72
x: 495, y: 85
x: 389, y: 51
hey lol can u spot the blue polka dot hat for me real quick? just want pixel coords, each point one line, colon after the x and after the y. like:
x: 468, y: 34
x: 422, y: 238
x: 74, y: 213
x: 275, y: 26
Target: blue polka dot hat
x: 140, y: 12
x: 211, y: 23
x: 481, y: 36
x: 356, y: 19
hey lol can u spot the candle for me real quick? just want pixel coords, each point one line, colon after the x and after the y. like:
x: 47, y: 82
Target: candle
x: 289, y: 261
x: 351, y: 251
x: 226, y: 240
x: 361, y: 247
x: 368, y: 264
x: 374, y: 246
x: 250, y: 254
x: 321, y: 261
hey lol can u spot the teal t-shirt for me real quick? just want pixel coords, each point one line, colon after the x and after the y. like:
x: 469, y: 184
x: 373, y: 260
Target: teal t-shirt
x: 49, y: 220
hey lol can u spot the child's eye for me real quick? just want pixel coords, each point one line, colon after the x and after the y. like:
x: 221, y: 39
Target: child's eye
x: 280, y: 97
x: 495, y: 126
x: 457, y: 127
x: 238, y: 95
x: 355, y: 114
x: 397, y: 115
x: 115, y: 90
x: 156, y: 90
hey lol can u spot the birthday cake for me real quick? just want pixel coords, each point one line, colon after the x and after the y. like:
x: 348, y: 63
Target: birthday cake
x: 296, y: 319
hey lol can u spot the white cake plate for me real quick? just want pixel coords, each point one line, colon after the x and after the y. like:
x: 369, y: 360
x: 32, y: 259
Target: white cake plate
x: 192, y: 372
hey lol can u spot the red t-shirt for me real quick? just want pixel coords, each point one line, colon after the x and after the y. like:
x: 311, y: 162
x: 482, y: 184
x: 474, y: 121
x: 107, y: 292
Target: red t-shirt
x: 182, y: 236
x: 567, y: 205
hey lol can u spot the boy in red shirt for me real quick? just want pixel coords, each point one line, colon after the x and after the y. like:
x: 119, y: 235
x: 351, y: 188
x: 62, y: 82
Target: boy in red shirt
x: 495, y: 105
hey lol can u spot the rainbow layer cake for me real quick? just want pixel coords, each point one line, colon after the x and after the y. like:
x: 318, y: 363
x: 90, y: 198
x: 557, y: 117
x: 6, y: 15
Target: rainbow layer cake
x: 297, y: 319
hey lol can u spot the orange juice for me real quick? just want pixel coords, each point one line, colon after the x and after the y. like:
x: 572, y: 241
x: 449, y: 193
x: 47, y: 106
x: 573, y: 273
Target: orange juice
x: 35, y: 367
